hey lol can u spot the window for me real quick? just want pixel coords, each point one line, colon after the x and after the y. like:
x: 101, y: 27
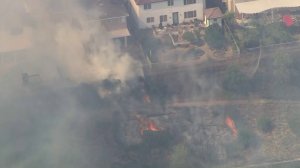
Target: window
x: 150, y: 19
x: 186, y: 2
x: 190, y: 14
x: 170, y: 2
x: 163, y: 18
x: 147, y: 6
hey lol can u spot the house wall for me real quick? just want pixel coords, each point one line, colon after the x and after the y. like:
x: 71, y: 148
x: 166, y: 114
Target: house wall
x: 231, y: 5
x: 209, y: 22
x: 162, y: 8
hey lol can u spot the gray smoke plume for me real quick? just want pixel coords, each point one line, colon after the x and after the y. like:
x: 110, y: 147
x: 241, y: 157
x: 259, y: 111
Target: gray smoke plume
x: 48, y: 117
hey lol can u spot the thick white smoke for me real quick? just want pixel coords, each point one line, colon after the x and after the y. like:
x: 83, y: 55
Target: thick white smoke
x: 71, y: 37
x: 52, y: 122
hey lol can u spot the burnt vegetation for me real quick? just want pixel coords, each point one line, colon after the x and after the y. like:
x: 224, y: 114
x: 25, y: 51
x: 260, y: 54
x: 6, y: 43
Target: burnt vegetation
x: 274, y: 77
x: 188, y: 117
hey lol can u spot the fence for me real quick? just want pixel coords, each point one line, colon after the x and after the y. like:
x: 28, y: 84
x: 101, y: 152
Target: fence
x: 233, y: 39
x: 272, y: 46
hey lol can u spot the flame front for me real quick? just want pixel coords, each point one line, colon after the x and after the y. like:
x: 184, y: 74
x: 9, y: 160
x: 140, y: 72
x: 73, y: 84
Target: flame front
x: 152, y: 126
x: 146, y: 125
x: 230, y: 123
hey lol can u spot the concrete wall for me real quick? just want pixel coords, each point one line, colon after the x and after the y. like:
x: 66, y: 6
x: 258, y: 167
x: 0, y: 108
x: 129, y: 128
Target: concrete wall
x: 162, y: 8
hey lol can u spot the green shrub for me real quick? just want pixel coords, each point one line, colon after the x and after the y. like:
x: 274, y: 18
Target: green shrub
x: 265, y: 124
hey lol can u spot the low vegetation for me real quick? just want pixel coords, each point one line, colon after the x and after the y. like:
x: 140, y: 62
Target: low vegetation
x: 265, y: 124
x: 189, y: 36
x: 247, y: 138
x: 273, y: 33
x: 157, y: 89
x: 281, y: 68
x: 294, y: 122
x: 150, y: 153
x: 294, y: 164
x: 215, y: 37
x: 233, y: 150
x: 235, y: 81
x: 178, y: 158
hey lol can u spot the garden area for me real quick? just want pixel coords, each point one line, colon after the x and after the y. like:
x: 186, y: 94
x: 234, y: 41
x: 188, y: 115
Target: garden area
x: 187, y: 37
x: 166, y: 48
x: 173, y: 43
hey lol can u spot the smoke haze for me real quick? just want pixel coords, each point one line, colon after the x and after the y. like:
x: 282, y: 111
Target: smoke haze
x: 56, y: 120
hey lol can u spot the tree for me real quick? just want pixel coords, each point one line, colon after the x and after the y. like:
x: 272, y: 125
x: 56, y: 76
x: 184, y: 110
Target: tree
x: 214, y: 36
x: 229, y: 18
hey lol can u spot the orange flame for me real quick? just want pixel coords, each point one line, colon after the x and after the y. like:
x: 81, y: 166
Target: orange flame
x: 147, y: 125
x: 230, y: 123
x: 152, y: 126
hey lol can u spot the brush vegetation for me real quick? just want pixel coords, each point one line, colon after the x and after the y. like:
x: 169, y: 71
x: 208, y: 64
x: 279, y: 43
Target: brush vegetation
x: 265, y: 124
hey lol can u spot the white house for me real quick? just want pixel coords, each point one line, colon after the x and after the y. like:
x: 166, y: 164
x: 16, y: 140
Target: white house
x: 148, y: 13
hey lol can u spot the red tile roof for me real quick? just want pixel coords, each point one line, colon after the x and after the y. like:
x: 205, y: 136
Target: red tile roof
x: 212, y: 13
x: 142, y: 2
